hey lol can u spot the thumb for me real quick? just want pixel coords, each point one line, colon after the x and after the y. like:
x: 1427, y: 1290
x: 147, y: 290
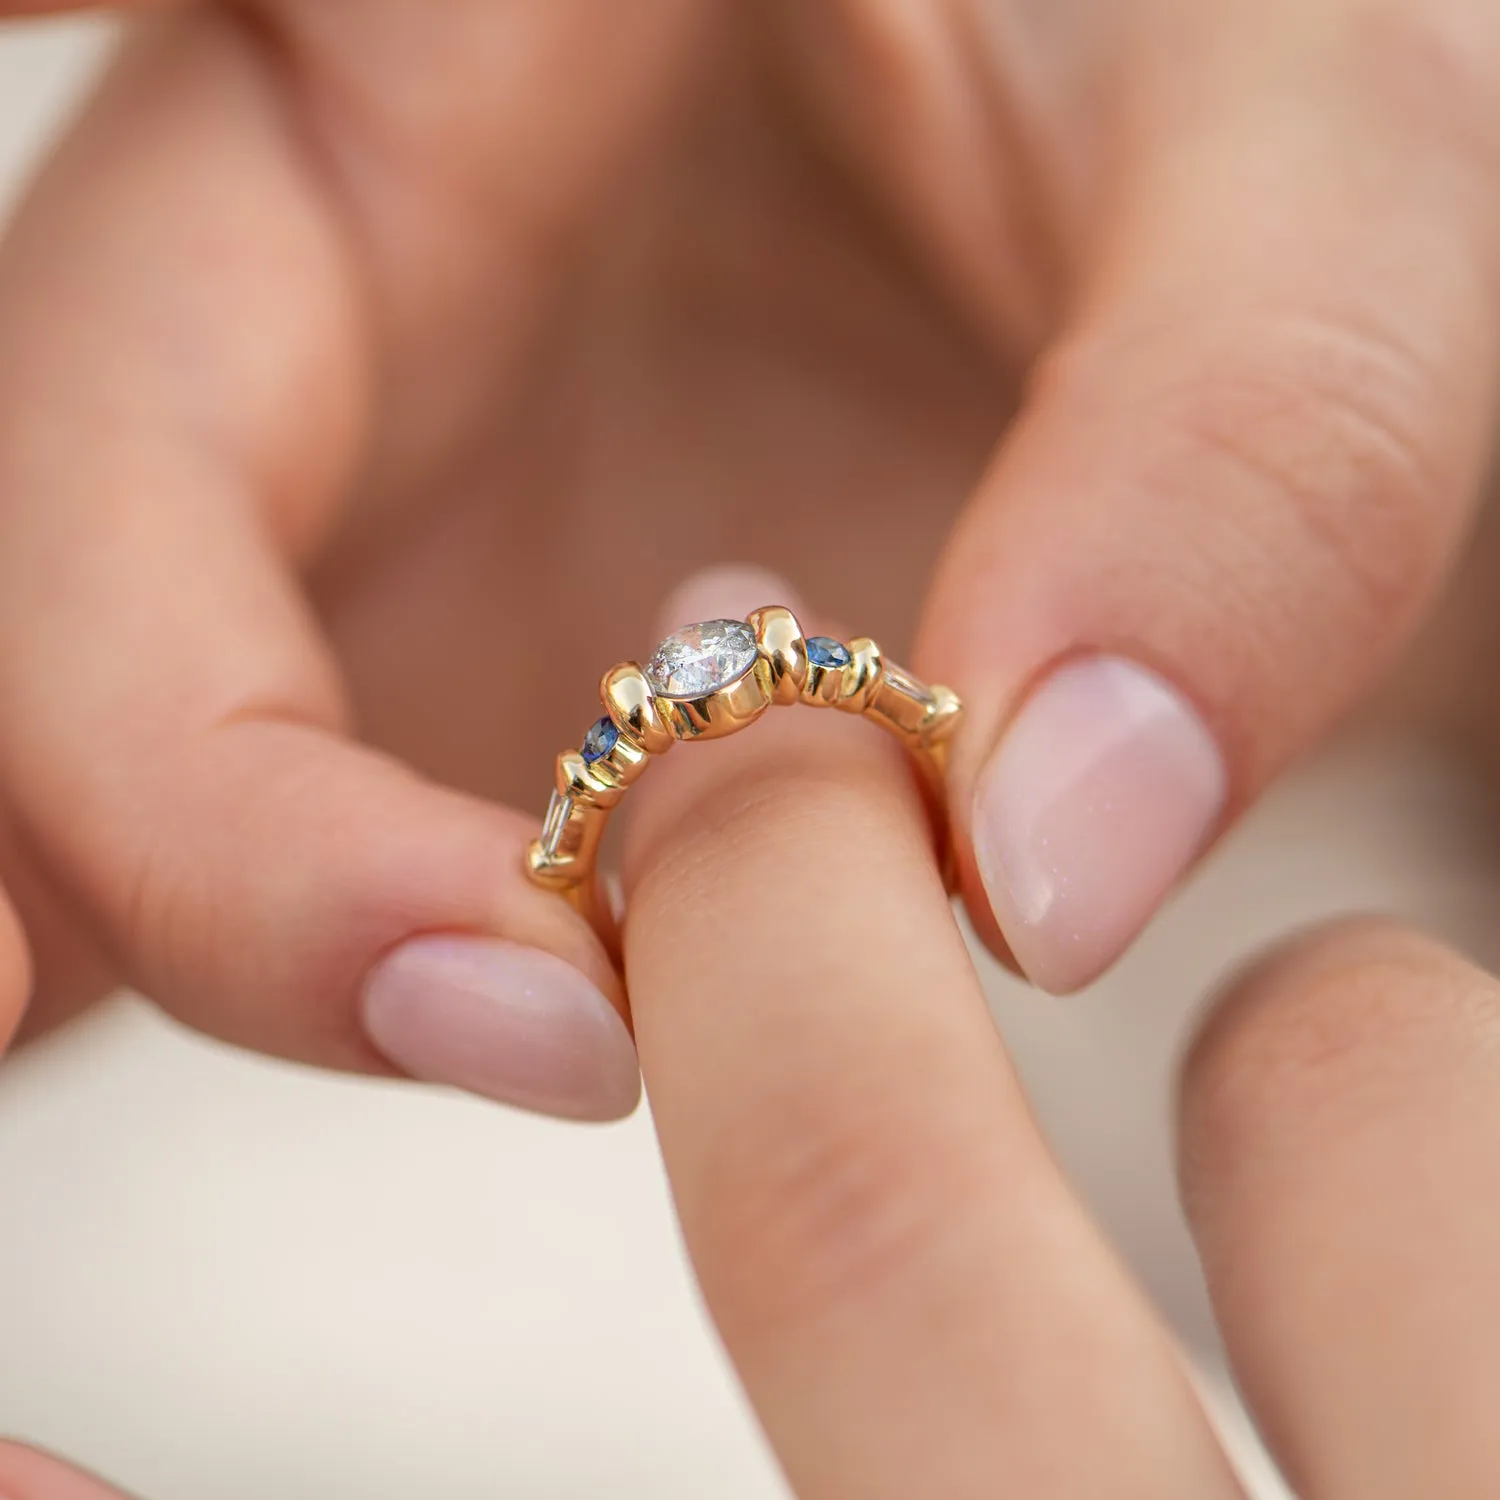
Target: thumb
x: 1238, y: 480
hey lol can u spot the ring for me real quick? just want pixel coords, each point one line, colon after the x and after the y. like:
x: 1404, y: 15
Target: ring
x: 713, y: 679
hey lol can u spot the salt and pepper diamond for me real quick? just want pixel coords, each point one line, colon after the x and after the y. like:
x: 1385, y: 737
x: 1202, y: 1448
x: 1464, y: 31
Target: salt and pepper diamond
x: 599, y: 741
x: 701, y: 659
x: 824, y: 651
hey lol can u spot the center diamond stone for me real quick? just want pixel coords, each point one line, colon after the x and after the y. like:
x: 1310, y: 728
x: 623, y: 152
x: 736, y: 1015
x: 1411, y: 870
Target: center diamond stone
x: 701, y: 659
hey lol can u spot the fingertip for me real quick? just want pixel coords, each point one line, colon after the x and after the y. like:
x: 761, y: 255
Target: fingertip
x: 16, y: 974
x: 724, y: 591
x: 28, y: 1474
x: 971, y: 892
x: 1100, y: 794
x: 505, y: 1021
x: 1274, y: 1009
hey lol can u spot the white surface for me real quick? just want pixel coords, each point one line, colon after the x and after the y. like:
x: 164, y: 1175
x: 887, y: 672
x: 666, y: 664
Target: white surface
x: 221, y: 1277
x: 42, y: 66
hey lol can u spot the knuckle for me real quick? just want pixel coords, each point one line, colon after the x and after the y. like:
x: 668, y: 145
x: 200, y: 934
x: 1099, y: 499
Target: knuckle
x: 830, y: 1200
x: 1337, y: 434
x: 1342, y: 1024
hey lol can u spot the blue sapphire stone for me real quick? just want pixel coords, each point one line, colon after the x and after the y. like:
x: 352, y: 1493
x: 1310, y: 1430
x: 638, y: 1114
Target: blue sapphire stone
x: 600, y: 740
x: 824, y: 651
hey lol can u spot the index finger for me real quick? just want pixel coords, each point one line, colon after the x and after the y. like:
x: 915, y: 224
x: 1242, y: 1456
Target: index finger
x: 915, y: 1300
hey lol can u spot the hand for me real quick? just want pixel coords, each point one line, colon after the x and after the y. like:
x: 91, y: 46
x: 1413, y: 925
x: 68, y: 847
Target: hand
x: 915, y: 1300
x: 362, y: 365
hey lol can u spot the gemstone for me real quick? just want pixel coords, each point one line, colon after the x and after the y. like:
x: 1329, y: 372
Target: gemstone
x: 701, y: 659
x: 557, y: 819
x: 824, y: 651
x: 600, y: 740
x: 906, y: 684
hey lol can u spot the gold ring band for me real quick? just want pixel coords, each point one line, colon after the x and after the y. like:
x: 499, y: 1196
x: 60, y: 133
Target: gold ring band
x: 710, y: 680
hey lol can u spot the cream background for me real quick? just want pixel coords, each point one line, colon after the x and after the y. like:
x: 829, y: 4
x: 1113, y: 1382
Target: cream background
x: 222, y: 1278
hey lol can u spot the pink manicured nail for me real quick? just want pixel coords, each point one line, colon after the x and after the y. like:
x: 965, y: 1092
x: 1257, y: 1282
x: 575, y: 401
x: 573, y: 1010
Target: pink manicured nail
x: 1098, y: 798
x: 502, y: 1020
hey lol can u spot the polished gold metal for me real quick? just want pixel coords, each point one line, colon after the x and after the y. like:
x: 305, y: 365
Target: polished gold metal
x: 649, y: 723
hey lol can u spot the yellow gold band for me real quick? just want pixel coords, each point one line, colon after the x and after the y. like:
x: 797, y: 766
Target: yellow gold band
x: 710, y: 680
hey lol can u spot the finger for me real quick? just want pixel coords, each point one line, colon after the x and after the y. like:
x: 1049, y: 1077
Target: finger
x: 26, y: 1474
x: 1242, y: 473
x: 915, y: 1301
x: 1340, y: 1129
x: 15, y: 972
x: 173, y: 743
x: 70, y: 970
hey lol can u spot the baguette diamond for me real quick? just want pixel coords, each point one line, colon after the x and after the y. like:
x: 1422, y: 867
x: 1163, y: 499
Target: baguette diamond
x: 557, y: 819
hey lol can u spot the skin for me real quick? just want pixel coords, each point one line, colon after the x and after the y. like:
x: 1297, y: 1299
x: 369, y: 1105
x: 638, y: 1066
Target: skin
x: 796, y: 252
x: 328, y: 361
x: 913, y: 1297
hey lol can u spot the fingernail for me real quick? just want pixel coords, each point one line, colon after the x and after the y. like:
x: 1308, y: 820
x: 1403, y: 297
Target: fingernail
x: 499, y: 1019
x: 1099, y: 797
